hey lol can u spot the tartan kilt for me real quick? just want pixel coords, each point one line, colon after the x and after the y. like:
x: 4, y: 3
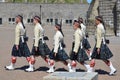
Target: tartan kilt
x: 60, y: 56
x: 43, y: 49
x: 23, y: 50
x: 105, y: 53
x: 86, y: 43
x: 81, y: 56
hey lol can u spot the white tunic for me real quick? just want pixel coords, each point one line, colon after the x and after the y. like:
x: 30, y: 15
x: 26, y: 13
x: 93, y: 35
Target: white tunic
x: 38, y: 34
x: 19, y: 30
x: 83, y: 28
x: 58, y: 38
x: 78, y: 36
x: 100, y: 33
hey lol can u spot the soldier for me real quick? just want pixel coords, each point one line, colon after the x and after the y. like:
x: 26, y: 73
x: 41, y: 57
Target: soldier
x: 58, y: 53
x: 40, y: 48
x: 101, y: 50
x: 20, y: 48
x: 85, y: 42
x: 78, y: 53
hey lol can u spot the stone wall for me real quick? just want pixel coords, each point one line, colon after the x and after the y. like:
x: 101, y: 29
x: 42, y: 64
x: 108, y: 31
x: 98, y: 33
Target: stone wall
x: 118, y: 17
x: 50, y: 13
x: 106, y: 9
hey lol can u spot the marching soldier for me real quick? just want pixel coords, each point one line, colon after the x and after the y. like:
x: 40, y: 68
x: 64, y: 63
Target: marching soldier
x: 101, y: 50
x: 58, y: 53
x: 40, y: 48
x: 78, y: 53
x: 20, y: 48
x: 85, y: 42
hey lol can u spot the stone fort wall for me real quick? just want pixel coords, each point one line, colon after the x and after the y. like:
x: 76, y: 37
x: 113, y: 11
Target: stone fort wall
x: 50, y: 13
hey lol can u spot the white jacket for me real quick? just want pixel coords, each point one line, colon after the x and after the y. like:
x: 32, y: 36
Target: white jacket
x: 38, y: 33
x: 78, y: 36
x: 100, y: 33
x: 19, y: 30
x: 58, y: 38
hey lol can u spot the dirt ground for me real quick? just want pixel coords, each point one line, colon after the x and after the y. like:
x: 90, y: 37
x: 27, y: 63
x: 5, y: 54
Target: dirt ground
x: 7, y: 41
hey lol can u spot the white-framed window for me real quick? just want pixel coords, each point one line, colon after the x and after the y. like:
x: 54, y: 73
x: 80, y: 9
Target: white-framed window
x: 29, y: 20
x: 0, y: 21
x: 11, y: 20
x: 68, y: 21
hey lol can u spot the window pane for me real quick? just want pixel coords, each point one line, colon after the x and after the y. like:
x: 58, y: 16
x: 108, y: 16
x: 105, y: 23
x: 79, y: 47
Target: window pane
x: 31, y: 20
x: 66, y: 21
x: 9, y: 19
x: 56, y: 21
x: 51, y: 20
x: 0, y: 21
x: 47, y: 20
x: 28, y: 20
x: 70, y: 21
x: 13, y: 19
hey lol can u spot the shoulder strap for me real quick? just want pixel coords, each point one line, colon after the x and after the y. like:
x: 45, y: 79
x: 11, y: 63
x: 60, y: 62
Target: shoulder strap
x: 81, y: 45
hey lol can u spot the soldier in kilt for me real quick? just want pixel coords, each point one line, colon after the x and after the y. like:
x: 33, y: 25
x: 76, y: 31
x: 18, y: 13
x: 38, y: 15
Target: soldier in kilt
x: 20, y: 48
x: 85, y: 41
x: 78, y: 52
x: 58, y: 53
x: 101, y: 50
x: 40, y: 48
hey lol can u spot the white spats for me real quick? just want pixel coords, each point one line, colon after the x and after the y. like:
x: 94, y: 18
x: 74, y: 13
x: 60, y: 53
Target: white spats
x: 10, y: 67
x: 113, y: 70
x: 51, y: 69
x: 30, y: 69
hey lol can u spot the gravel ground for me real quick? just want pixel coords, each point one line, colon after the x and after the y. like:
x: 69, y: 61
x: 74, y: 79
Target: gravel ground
x: 7, y: 41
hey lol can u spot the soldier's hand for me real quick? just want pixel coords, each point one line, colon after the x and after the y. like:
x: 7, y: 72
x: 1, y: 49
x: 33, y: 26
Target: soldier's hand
x: 55, y: 54
x: 17, y: 47
x: 88, y: 51
x: 36, y: 48
x: 98, y: 50
x: 74, y: 53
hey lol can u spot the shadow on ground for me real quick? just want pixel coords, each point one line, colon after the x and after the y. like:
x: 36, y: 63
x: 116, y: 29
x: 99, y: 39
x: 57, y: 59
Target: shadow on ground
x: 43, y: 68
x: 80, y: 70
x: 22, y: 68
x: 102, y: 72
